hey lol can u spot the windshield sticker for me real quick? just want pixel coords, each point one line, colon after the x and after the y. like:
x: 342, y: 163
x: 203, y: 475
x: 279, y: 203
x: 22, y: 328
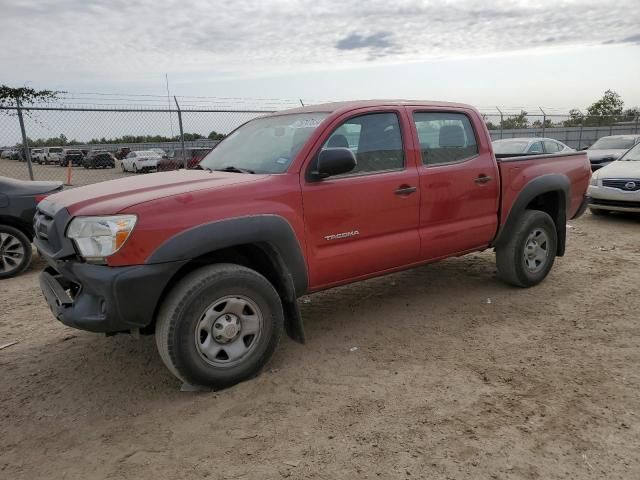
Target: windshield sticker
x: 306, y: 123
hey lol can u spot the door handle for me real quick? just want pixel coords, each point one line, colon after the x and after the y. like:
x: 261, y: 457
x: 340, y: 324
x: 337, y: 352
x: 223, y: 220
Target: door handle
x: 483, y: 179
x: 405, y: 190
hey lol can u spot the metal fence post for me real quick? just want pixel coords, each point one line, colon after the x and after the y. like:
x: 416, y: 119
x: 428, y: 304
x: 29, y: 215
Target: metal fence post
x: 544, y: 121
x: 501, y: 121
x: 184, y: 153
x: 25, y: 143
x: 580, y: 136
x: 636, y: 129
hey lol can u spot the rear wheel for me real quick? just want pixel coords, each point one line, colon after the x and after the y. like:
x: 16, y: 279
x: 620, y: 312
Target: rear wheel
x: 15, y: 251
x: 135, y: 168
x: 526, y: 259
x: 219, y: 325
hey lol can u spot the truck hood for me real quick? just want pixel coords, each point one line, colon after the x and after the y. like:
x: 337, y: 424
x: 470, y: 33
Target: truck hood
x: 107, y: 198
x: 600, y: 154
x: 620, y: 169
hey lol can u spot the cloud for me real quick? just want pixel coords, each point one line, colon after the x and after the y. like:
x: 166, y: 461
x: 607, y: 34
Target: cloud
x: 378, y: 41
x: 632, y: 39
x: 115, y: 39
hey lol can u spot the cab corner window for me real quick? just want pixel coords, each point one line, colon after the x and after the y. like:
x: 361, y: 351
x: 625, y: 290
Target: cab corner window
x: 374, y: 138
x: 444, y: 137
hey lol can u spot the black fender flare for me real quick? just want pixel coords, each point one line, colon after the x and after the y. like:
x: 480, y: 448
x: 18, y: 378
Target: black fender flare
x: 536, y: 187
x: 278, y: 240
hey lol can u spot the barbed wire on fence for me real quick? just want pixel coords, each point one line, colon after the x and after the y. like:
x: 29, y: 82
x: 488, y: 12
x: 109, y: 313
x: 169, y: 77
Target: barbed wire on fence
x: 137, y: 123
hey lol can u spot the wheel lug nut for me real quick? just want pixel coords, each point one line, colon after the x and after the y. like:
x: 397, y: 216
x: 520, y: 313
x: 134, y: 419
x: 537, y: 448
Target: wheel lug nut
x: 218, y: 326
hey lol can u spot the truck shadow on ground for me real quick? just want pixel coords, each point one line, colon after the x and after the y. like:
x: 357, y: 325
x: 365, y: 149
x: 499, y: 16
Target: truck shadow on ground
x: 390, y: 308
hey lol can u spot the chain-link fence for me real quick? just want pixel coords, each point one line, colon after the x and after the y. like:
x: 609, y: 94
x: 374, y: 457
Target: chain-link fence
x: 574, y: 129
x: 80, y: 146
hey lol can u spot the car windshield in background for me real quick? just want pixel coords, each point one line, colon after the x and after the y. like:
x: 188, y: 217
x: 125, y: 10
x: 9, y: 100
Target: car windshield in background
x: 264, y: 145
x: 55, y: 150
x: 147, y: 153
x: 632, y: 155
x: 612, y: 144
x: 510, y: 147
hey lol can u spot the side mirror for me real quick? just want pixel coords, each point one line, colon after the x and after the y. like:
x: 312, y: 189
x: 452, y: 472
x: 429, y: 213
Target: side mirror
x: 335, y: 161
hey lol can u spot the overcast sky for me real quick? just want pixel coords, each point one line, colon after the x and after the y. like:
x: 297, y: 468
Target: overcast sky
x: 512, y: 53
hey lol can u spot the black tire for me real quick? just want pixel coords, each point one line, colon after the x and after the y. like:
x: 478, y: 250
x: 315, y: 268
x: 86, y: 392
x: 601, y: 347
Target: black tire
x: 513, y: 266
x: 25, y: 261
x: 182, y: 312
x: 135, y: 168
x: 598, y: 212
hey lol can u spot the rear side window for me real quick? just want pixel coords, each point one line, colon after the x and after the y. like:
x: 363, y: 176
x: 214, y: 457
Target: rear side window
x: 535, y: 148
x: 374, y: 138
x: 552, y: 147
x: 445, y: 137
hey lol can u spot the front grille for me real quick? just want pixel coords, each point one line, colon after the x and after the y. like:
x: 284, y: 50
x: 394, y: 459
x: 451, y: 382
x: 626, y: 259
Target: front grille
x: 628, y: 185
x: 615, y: 203
x: 42, y: 224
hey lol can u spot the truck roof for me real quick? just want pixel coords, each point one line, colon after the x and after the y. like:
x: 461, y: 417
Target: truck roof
x: 350, y: 105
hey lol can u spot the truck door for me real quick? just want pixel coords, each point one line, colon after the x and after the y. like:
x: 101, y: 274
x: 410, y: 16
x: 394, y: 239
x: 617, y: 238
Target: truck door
x: 459, y: 182
x: 365, y: 221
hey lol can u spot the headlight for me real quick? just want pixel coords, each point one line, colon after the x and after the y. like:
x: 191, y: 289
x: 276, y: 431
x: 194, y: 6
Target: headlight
x: 594, y: 181
x: 99, y: 237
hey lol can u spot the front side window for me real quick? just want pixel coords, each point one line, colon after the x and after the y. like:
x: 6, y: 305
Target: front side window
x: 264, y: 145
x: 445, y: 137
x: 374, y: 138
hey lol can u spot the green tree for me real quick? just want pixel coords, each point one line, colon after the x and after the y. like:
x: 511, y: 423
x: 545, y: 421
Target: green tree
x: 515, y: 121
x: 609, y: 105
x: 27, y: 96
x: 576, y: 118
x: 215, y: 136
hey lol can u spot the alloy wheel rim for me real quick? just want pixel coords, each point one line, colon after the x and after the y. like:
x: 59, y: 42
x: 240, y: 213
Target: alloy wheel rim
x: 12, y: 253
x: 536, y: 250
x: 228, y: 330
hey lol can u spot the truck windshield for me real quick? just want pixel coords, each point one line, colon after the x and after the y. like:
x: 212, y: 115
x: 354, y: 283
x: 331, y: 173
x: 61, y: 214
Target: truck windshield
x: 508, y: 147
x: 632, y: 155
x: 612, y: 143
x: 264, y: 145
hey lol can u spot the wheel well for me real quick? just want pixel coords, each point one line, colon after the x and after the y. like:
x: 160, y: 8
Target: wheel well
x: 554, y: 204
x: 19, y: 224
x: 261, y: 257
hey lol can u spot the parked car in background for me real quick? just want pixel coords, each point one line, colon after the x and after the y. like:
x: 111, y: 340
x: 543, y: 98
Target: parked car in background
x: 36, y: 155
x: 160, y: 152
x: 52, y: 155
x: 529, y: 146
x: 99, y: 159
x: 176, y: 160
x: 18, y: 200
x: 608, y: 149
x: 616, y: 187
x: 11, y: 153
x: 142, y: 161
x: 71, y: 155
x: 122, y: 153
x: 213, y: 260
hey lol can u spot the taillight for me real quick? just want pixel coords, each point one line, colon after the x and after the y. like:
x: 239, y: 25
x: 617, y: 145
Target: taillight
x: 39, y: 198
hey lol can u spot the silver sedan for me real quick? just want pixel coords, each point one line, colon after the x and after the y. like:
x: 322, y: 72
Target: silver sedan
x: 529, y: 146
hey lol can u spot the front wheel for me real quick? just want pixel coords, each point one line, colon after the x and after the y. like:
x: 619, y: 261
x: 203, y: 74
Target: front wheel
x: 135, y: 168
x: 526, y: 259
x: 219, y: 325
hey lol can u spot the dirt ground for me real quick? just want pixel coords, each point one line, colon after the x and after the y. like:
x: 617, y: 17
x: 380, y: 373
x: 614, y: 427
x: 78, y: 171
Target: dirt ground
x: 79, y: 175
x: 438, y: 372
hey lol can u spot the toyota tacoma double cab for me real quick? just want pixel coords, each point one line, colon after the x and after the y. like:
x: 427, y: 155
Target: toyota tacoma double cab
x: 213, y: 260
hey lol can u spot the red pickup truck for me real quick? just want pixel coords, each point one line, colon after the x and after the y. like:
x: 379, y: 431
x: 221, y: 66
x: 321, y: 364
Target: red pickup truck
x: 212, y: 260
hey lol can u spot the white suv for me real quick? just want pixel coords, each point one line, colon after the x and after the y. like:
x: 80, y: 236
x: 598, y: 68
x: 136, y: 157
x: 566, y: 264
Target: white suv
x: 49, y: 155
x: 616, y: 187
